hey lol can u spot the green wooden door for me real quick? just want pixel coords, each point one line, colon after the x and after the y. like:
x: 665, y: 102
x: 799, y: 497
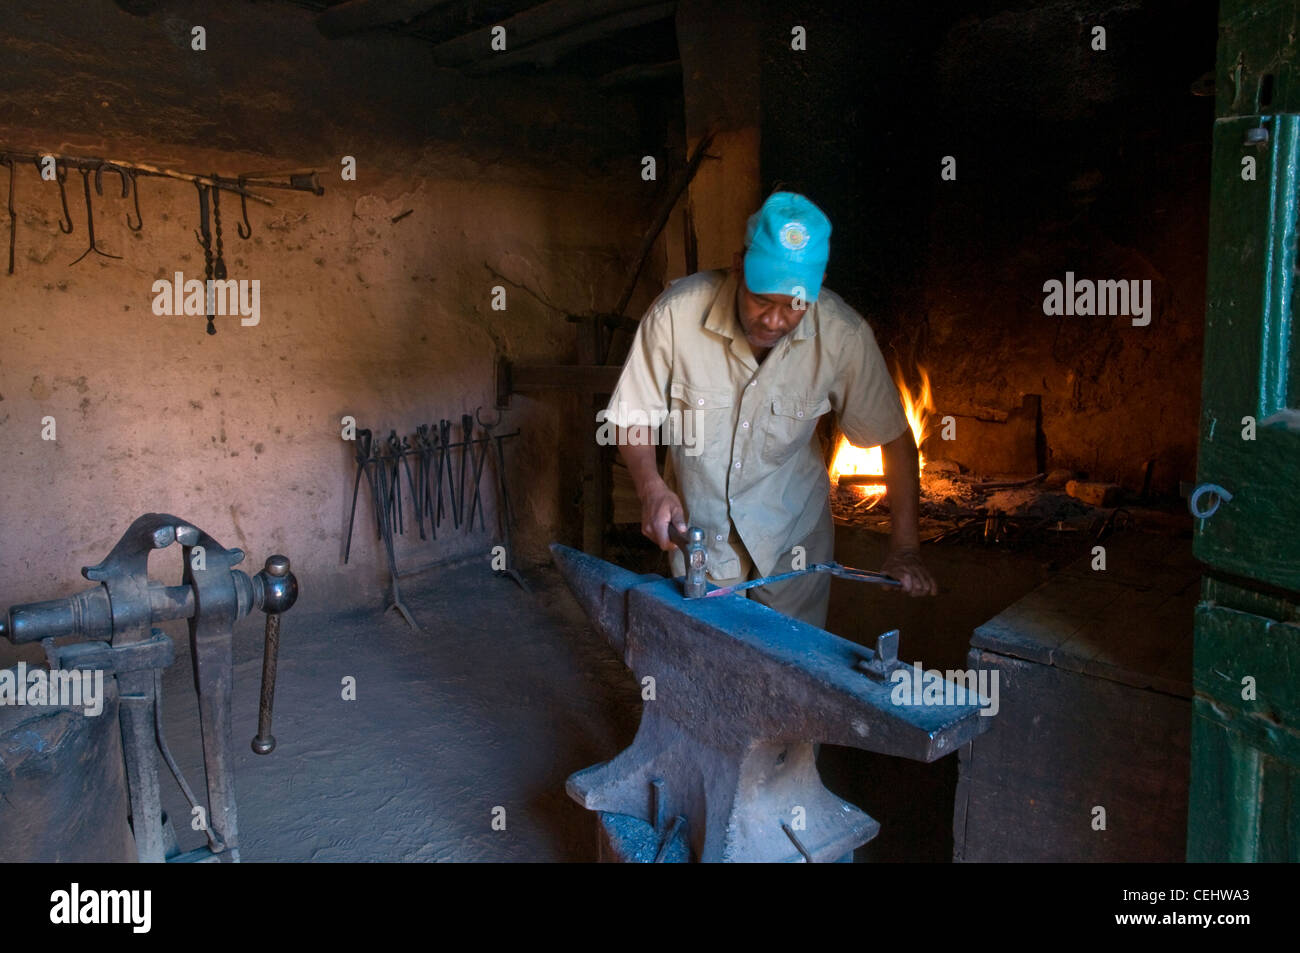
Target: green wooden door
x: 1245, y: 790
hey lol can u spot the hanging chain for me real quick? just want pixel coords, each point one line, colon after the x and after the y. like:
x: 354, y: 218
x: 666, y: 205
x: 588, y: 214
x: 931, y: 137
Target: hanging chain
x: 216, y: 221
x: 204, y: 236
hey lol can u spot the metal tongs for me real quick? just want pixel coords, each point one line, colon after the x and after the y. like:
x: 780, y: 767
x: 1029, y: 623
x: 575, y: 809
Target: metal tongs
x: 834, y: 568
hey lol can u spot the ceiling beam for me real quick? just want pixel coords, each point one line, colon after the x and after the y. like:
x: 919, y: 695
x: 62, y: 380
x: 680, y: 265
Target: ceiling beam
x: 546, y: 52
x: 641, y: 73
x: 532, y: 25
x: 354, y: 16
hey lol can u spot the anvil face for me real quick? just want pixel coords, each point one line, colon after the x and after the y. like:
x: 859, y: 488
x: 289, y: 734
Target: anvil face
x: 741, y: 694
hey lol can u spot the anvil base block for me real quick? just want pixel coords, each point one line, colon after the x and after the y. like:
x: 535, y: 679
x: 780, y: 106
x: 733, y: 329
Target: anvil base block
x: 742, y: 802
x: 630, y: 840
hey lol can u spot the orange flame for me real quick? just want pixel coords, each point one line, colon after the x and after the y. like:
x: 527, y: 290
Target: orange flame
x: 849, y: 459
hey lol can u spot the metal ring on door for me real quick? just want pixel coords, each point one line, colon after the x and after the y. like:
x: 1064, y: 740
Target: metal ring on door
x: 1194, y: 502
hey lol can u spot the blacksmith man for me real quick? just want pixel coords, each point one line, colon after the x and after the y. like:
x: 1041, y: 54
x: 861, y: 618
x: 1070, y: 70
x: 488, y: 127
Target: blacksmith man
x: 757, y: 354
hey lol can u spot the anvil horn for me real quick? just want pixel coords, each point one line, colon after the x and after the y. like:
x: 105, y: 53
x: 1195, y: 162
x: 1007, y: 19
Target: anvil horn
x: 600, y: 588
x: 740, y: 695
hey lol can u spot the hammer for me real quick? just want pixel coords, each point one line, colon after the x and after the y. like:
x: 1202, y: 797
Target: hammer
x: 691, y: 543
x: 695, y: 585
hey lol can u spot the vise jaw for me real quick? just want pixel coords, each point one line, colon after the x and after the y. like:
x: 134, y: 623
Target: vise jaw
x: 741, y: 695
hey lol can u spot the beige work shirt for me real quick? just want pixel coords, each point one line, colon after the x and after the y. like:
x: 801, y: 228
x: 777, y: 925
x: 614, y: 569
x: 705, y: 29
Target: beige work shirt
x: 743, y: 452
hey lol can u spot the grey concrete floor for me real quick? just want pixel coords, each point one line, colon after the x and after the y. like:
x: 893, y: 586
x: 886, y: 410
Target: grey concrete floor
x: 493, y: 703
x: 501, y: 695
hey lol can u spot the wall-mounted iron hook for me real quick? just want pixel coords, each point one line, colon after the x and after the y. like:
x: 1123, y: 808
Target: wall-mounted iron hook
x: 61, y: 176
x: 109, y: 167
x: 245, y: 230
x: 135, y: 189
x: 90, y: 221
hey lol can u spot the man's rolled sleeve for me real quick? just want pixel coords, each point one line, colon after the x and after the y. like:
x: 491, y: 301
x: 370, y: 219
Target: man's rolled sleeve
x: 865, y: 398
x: 641, y: 395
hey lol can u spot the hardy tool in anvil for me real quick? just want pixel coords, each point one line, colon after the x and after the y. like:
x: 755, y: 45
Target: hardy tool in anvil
x: 116, y: 621
x: 741, y: 695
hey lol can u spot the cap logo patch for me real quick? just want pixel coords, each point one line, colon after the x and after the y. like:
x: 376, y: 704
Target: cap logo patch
x: 794, y: 235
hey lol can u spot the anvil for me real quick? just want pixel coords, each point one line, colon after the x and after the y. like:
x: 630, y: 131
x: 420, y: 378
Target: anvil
x: 740, y: 696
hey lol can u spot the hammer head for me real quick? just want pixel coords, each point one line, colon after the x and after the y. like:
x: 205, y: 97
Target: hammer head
x: 691, y: 543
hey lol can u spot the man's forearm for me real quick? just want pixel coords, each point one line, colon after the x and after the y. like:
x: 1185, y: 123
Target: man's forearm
x: 638, y: 452
x: 903, y: 480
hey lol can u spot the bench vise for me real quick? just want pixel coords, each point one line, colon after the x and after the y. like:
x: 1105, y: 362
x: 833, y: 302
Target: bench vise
x: 114, y: 622
x: 736, y: 695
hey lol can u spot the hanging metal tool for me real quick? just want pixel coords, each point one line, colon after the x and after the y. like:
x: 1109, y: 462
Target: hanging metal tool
x: 219, y: 265
x: 444, y: 460
x: 466, y: 432
x: 393, y: 500
x: 61, y: 177
x: 300, y: 180
x: 477, y: 459
x: 427, y: 447
x: 90, y: 221
x: 13, y: 216
x: 364, y: 462
x: 404, y: 450
x: 204, y: 235
x: 135, y: 192
x: 109, y: 167
x: 244, y: 229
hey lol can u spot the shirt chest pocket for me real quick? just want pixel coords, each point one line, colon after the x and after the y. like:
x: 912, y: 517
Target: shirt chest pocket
x: 789, y: 427
x: 699, y: 419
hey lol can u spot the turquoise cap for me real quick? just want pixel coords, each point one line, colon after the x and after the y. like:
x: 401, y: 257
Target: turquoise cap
x: 788, y: 242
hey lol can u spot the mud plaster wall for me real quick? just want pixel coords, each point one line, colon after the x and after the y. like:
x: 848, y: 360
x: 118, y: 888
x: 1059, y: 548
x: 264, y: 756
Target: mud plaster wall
x: 386, y: 321
x: 1067, y: 159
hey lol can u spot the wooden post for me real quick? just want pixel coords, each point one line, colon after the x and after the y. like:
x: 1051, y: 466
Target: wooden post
x: 595, y: 479
x: 719, y: 43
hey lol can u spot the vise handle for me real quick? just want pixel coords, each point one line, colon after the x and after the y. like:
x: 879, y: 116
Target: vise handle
x: 280, y: 590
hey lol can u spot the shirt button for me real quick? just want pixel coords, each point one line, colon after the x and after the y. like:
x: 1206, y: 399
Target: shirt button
x: 752, y: 383
x: 718, y: 537
x: 799, y: 413
x: 700, y: 402
x: 737, y: 464
x: 745, y: 425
